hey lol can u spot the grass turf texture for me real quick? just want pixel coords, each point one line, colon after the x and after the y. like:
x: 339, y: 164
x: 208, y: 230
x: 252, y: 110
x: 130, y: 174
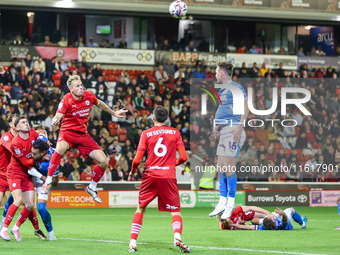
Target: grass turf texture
x: 107, y: 231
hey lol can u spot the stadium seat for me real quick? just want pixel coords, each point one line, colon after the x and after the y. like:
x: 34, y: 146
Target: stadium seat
x: 139, y: 113
x: 299, y: 151
x: 138, y: 72
x: 316, y: 146
x: 111, y: 77
x: 103, y: 71
x: 57, y: 83
x: 110, y: 71
x: 250, y: 133
x: 76, y: 154
x: 130, y: 72
x: 122, y: 137
x: 119, y: 72
x: 112, y: 125
x: 105, y: 77
x: 288, y: 151
x: 147, y: 112
x: 148, y: 72
x: 121, y: 131
x: 7, y: 88
x: 278, y: 146
x: 113, y: 131
x: 12, y: 108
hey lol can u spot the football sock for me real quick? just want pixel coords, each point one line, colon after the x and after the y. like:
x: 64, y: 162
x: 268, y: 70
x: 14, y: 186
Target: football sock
x: 232, y: 184
x: 177, y: 226
x: 34, y: 219
x: 97, y: 175
x: 22, y: 217
x: 223, y: 187
x: 10, y: 214
x: 7, y: 205
x: 55, y: 162
x: 137, y: 222
x: 46, y: 216
x: 297, y: 218
x: 339, y: 208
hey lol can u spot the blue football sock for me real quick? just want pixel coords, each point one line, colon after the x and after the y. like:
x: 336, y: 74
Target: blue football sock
x: 8, y: 204
x: 339, y: 208
x: 223, y: 184
x: 46, y: 216
x: 232, y: 184
x: 297, y: 217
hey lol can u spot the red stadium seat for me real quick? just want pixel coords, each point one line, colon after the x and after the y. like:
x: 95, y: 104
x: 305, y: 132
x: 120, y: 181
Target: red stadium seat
x: 110, y: 71
x: 152, y: 78
x: 7, y: 88
x: 111, y: 77
x: 6, y: 68
x: 122, y: 137
x: 138, y: 72
x: 316, y: 146
x: 76, y: 154
x: 113, y: 131
x: 103, y: 71
x: 288, y: 151
x: 278, y: 146
x: 119, y: 72
x: 299, y: 151
x: 105, y: 77
x: 121, y: 131
x: 148, y: 72
x: 130, y: 72
x: 147, y: 112
x: 139, y: 113
x: 112, y: 125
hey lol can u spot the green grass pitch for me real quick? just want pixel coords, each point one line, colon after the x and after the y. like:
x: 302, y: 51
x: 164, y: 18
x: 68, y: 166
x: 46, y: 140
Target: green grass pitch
x: 107, y: 231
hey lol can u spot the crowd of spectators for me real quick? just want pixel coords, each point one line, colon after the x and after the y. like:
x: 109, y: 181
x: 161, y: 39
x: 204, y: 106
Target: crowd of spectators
x: 312, y: 142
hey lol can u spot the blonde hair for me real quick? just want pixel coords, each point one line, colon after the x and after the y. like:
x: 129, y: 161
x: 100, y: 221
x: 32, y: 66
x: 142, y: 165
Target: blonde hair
x: 71, y: 79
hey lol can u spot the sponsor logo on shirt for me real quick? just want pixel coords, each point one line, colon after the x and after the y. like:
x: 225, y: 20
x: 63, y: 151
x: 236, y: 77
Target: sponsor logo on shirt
x: 159, y: 167
x: 82, y: 113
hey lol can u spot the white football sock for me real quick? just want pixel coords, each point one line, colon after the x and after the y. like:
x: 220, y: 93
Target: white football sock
x: 231, y: 201
x: 50, y: 233
x: 93, y: 185
x: 223, y: 200
x: 133, y: 242
x: 4, y: 229
x: 15, y: 227
x: 177, y: 236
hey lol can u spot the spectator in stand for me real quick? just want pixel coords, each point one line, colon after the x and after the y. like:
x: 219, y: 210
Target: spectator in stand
x: 169, y: 68
x: 97, y: 71
x: 101, y: 81
x: 143, y: 81
x: 47, y: 41
x: 161, y: 74
x: 198, y: 73
x: 105, y: 44
x: 62, y: 42
x: 208, y: 73
x: 13, y: 76
x: 263, y: 69
x: 16, y: 91
x: 15, y: 64
x: 127, y: 147
x: 335, y: 130
x: 332, y: 175
x: 101, y: 93
x: 253, y: 71
x: 27, y: 82
x: 148, y: 103
x: 293, y: 75
x: 17, y: 41
x: 313, y: 52
x: 79, y: 43
x: 190, y: 47
x: 126, y: 76
x: 333, y: 104
x: 271, y: 155
x: 138, y: 101
x: 262, y: 135
x: 71, y: 67
x: 131, y: 132
x: 280, y: 71
x: 115, y: 148
x: 63, y: 66
x: 165, y: 45
x: 188, y: 73
x: 50, y: 69
x: 92, y: 43
x: 320, y: 52
x: 64, y: 78
x: 309, y: 135
x: 87, y: 174
x: 107, y: 176
x: 289, y: 130
x: 40, y: 66
x: 122, y: 162
x: 121, y: 84
x: 29, y: 62
x: 179, y: 74
x: 282, y: 51
x: 253, y: 50
x: 24, y: 69
x: 38, y: 81
x: 122, y: 44
x: 203, y: 46
x: 301, y: 141
x: 176, y: 108
x: 242, y: 49
x: 300, y: 52
x: 243, y: 74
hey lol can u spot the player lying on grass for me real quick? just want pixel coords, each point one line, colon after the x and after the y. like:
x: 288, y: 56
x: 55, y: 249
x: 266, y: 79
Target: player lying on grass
x: 243, y: 214
x: 25, y: 153
x: 280, y: 221
x: 159, y: 180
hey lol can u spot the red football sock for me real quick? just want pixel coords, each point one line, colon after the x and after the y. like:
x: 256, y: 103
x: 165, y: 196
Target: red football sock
x: 23, y: 216
x: 55, y: 162
x: 136, y: 225
x: 10, y: 215
x: 97, y: 173
x: 177, y: 225
x: 34, y: 219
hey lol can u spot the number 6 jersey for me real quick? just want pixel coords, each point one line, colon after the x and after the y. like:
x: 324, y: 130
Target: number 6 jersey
x: 161, y: 143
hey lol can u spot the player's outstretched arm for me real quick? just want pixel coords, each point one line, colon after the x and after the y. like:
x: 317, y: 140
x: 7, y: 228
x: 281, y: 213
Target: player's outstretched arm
x: 282, y: 213
x: 243, y: 227
x: 56, y: 119
x: 256, y: 209
x: 107, y: 109
x: 182, y: 154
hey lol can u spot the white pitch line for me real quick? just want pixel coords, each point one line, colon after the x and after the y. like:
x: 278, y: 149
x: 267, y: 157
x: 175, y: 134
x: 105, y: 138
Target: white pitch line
x: 196, y: 247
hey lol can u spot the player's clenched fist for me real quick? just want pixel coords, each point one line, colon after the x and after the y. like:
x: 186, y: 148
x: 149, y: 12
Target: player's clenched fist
x: 55, y: 122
